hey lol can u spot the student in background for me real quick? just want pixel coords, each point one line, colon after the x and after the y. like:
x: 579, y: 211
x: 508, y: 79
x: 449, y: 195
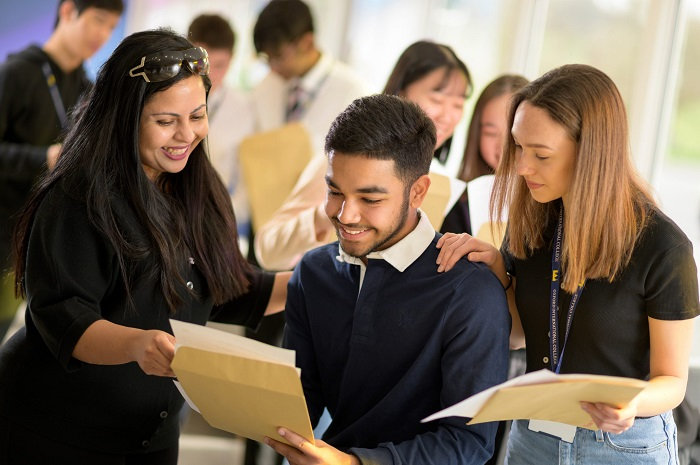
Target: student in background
x: 132, y: 227
x: 305, y: 83
x: 600, y: 281
x: 228, y: 110
x: 38, y: 88
x: 427, y: 73
x: 485, y: 137
x: 382, y: 339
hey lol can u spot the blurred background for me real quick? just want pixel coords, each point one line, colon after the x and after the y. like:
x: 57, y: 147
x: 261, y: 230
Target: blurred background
x: 650, y: 48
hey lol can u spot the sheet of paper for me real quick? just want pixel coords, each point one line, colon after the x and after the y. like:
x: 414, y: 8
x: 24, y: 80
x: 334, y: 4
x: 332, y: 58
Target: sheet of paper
x: 479, y: 192
x: 185, y: 396
x: 214, y: 340
x: 543, y: 395
x: 239, y: 385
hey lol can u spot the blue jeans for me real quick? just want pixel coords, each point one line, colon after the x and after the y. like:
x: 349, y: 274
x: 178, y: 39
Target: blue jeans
x: 649, y: 441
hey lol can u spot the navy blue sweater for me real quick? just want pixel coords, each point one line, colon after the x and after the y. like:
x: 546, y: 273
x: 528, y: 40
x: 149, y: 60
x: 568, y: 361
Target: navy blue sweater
x: 411, y: 343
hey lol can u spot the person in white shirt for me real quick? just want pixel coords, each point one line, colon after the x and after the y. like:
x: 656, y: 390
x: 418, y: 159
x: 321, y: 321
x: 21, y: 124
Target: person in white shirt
x: 427, y: 73
x: 229, y: 111
x: 304, y: 84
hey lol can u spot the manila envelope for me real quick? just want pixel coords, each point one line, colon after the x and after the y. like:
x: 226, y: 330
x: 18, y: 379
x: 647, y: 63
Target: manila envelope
x: 441, y: 196
x: 558, y: 401
x: 271, y: 163
x: 248, y: 397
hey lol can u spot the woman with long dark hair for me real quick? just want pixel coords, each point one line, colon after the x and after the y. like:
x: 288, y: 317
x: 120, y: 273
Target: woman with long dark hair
x: 482, y: 151
x: 132, y: 228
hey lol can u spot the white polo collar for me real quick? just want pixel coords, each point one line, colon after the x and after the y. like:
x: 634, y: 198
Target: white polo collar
x: 402, y: 254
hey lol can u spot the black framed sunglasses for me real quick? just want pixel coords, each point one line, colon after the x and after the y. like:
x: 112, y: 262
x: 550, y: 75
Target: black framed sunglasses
x: 165, y: 65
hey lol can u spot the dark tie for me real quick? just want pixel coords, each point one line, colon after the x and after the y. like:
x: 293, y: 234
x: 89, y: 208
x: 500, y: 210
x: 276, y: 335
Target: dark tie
x: 295, y: 103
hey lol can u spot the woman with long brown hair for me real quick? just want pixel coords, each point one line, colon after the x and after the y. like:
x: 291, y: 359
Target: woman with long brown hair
x: 581, y: 221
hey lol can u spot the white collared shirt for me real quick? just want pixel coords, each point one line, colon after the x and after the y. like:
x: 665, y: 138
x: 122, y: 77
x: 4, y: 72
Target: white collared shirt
x: 400, y: 255
x: 333, y: 84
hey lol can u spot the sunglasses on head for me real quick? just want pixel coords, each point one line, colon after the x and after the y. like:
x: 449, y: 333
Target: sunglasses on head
x: 165, y: 65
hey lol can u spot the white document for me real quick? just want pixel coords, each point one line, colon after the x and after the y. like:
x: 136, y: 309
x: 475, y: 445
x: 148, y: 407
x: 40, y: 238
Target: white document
x: 479, y: 192
x: 201, y: 337
x: 470, y: 407
x: 457, y: 187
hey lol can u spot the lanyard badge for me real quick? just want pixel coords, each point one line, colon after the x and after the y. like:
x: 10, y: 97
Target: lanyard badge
x: 556, y: 353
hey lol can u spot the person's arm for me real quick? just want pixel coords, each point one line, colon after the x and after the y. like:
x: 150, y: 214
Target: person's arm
x: 70, y: 270
x: 25, y: 161
x: 298, y: 337
x: 279, y: 293
x: 18, y: 160
x: 299, y: 225
x: 455, y: 246
x: 475, y: 357
x: 265, y: 295
x: 107, y: 343
x: 671, y: 304
x: 670, y: 343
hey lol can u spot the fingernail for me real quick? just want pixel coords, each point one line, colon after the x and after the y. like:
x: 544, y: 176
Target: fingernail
x: 281, y: 431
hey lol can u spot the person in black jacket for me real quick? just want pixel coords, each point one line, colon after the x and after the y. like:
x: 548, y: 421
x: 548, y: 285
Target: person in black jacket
x: 38, y: 87
x: 132, y: 228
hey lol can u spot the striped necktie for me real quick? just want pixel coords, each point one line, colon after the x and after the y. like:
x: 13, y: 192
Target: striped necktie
x: 295, y: 103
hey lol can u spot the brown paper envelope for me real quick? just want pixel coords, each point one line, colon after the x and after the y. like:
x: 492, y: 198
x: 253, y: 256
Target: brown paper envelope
x: 271, y: 163
x: 492, y: 233
x: 557, y: 401
x: 435, y: 202
x: 247, y: 397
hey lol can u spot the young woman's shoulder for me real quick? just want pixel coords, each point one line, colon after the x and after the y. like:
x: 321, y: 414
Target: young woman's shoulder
x: 661, y: 233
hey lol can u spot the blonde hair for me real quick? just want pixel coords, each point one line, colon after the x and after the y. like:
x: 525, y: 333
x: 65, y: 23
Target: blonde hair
x: 608, y: 202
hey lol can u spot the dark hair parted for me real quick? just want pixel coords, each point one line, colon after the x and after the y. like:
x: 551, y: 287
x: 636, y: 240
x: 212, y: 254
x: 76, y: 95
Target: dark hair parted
x: 473, y: 163
x: 181, y: 214
x: 212, y: 31
x: 608, y: 203
x: 420, y: 59
x: 115, y: 6
x: 281, y: 22
x: 385, y: 127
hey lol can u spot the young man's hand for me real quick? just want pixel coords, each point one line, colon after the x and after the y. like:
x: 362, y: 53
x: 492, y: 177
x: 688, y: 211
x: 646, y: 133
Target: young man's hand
x: 306, y: 453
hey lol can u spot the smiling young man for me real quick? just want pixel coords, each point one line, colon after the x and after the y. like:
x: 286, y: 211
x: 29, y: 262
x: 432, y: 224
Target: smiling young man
x: 38, y: 87
x: 381, y: 338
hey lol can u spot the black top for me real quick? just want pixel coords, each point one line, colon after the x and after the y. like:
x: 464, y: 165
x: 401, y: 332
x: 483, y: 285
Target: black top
x: 409, y: 344
x: 610, y: 332
x: 28, y: 125
x: 73, y: 280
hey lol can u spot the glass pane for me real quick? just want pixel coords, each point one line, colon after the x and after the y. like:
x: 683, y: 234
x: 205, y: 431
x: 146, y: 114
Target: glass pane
x: 479, y: 32
x: 601, y: 33
x: 678, y: 184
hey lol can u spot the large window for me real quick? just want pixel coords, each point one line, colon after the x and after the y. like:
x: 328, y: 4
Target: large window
x: 605, y: 34
x: 678, y: 180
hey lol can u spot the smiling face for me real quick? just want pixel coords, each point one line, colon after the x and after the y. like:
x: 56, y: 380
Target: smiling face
x: 493, y: 127
x: 172, y: 123
x: 441, y: 99
x: 545, y: 155
x: 369, y: 206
